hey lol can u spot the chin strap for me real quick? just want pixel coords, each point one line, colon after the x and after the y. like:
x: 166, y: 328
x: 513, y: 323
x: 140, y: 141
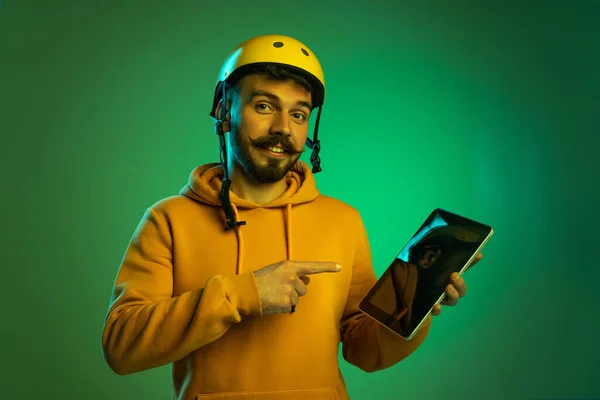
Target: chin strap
x: 232, y: 223
x: 231, y: 220
x: 315, y: 145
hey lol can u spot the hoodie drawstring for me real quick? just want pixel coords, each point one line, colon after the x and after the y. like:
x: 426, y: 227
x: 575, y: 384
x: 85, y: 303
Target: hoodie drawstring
x: 288, y: 230
x: 240, y: 239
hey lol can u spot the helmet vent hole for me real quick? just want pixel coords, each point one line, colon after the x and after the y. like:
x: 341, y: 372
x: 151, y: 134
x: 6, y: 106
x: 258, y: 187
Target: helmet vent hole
x: 277, y: 44
x: 305, y: 52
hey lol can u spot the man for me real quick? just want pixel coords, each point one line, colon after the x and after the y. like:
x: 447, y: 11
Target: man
x: 237, y: 281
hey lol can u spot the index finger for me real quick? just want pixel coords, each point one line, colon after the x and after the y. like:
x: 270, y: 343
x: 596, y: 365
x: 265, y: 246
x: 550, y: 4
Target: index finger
x: 315, y: 267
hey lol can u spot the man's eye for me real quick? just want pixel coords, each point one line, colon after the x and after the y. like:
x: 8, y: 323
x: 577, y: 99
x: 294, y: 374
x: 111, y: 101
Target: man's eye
x: 262, y: 107
x: 299, y: 116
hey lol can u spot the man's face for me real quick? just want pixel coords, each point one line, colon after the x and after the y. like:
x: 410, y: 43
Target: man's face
x: 429, y: 257
x: 268, y: 113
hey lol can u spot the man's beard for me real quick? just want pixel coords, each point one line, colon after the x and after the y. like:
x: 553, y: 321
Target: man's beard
x: 249, y: 157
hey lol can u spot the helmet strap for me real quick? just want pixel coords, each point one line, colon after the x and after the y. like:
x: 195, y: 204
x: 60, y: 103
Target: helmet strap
x: 226, y: 183
x: 315, y: 145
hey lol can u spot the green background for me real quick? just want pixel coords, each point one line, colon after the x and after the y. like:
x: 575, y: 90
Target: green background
x: 488, y: 109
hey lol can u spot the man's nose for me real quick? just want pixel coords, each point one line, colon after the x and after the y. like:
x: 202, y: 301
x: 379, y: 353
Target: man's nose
x: 281, y: 125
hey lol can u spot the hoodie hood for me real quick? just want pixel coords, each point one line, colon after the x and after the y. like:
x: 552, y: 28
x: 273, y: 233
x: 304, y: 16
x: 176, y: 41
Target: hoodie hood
x: 205, y: 184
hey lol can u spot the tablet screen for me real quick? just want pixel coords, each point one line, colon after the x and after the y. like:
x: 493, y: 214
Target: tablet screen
x: 417, y: 278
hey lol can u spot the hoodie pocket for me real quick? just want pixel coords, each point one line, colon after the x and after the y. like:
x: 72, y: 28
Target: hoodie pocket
x: 323, y: 393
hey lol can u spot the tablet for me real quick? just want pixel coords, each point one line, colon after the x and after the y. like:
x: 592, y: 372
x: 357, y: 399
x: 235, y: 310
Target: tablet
x: 415, y: 281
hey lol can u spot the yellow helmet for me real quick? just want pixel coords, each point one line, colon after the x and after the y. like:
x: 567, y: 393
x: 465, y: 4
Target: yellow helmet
x: 272, y: 49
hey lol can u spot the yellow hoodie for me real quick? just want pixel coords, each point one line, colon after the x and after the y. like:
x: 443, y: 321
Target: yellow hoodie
x: 185, y: 294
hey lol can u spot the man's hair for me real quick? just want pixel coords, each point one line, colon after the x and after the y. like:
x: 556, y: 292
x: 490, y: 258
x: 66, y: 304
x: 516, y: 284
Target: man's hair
x: 272, y: 71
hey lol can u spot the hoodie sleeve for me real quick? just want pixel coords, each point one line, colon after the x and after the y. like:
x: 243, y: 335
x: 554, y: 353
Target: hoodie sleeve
x: 365, y: 343
x: 146, y: 326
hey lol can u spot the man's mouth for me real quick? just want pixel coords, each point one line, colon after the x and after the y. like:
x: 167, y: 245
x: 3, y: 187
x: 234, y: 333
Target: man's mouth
x: 275, y: 149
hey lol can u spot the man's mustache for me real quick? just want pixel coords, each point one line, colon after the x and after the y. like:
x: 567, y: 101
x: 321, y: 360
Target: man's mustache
x: 271, y: 141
